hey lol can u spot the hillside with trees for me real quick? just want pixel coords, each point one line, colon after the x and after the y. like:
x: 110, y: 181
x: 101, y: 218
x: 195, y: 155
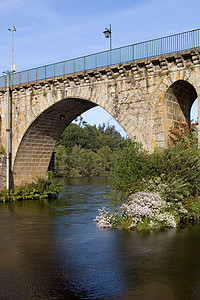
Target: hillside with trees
x: 86, y: 150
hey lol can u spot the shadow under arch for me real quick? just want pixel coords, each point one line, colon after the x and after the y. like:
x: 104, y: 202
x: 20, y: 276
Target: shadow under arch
x: 178, y: 100
x: 177, y: 103
x: 36, y: 147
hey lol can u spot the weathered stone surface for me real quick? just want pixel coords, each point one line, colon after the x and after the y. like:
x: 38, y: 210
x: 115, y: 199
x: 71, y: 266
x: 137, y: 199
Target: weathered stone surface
x: 145, y: 97
x: 2, y: 171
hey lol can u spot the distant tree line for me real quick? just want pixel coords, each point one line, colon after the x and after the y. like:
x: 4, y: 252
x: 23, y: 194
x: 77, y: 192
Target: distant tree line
x: 86, y: 150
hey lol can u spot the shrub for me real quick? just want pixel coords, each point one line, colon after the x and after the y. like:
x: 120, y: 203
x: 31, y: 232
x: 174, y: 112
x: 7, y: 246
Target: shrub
x: 40, y: 189
x: 177, y: 174
x: 184, y: 134
x: 193, y: 207
x: 142, y: 211
x: 129, y: 167
x: 173, y: 172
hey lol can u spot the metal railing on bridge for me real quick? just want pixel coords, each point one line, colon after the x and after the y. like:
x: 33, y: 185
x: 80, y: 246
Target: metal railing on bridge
x: 156, y: 47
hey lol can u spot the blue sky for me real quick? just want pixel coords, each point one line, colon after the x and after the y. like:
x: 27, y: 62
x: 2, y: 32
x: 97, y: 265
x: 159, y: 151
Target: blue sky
x: 52, y: 31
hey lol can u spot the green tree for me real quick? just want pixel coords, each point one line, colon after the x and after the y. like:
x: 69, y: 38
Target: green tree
x: 102, y: 161
x: 72, y: 159
x: 129, y: 168
x: 62, y: 162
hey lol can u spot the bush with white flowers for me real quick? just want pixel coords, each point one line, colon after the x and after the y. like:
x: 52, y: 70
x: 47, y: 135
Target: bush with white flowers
x: 142, y: 210
x: 104, y: 219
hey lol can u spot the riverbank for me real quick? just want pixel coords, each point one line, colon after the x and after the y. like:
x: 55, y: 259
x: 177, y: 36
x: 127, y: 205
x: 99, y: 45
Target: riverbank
x: 154, y: 191
x: 40, y: 189
x: 148, y: 211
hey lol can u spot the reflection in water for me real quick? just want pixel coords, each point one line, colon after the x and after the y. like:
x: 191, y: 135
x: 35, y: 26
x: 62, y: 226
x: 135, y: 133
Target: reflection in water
x: 53, y: 250
x: 166, y: 266
x: 27, y: 259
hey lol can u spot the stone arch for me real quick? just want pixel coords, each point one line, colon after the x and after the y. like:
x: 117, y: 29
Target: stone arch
x: 177, y: 103
x: 36, y: 147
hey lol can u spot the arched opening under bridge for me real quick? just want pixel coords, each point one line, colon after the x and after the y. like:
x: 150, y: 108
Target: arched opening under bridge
x: 36, y: 147
x: 178, y: 101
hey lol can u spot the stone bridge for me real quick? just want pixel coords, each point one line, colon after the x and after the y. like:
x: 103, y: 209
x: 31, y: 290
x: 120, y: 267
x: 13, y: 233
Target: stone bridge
x: 145, y: 96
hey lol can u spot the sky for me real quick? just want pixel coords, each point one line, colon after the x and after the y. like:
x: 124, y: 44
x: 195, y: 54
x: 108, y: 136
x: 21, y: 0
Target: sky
x: 50, y: 31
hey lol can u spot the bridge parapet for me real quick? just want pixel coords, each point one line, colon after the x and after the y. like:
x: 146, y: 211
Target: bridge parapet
x: 136, y: 69
x: 144, y: 50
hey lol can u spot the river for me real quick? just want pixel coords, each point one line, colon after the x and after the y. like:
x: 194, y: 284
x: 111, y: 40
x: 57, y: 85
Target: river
x: 54, y: 250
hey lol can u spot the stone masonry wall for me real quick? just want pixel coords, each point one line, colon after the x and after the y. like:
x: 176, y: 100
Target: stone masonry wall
x: 2, y: 171
x: 145, y: 97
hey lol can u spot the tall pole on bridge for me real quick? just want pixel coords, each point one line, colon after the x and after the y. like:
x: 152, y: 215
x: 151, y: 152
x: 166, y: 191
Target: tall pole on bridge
x: 9, y: 118
x: 13, y: 66
x: 107, y: 32
x: 8, y: 137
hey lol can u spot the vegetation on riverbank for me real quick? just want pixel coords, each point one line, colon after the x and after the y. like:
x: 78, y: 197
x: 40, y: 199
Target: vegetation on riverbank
x: 40, y: 189
x: 86, y: 150
x: 82, y: 150
x: 158, y: 190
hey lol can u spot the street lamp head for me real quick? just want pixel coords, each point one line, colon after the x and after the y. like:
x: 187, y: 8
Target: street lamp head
x: 13, y: 28
x: 13, y: 66
x: 107, y: 32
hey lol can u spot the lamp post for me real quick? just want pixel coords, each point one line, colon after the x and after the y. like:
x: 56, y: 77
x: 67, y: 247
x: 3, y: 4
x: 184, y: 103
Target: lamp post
x: 8, y: 137
x: 107, y: 32
x: 13, y: 66
x: 9, y: 117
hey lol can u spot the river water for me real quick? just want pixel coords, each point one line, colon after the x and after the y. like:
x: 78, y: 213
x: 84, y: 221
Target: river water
x: 54, y: 250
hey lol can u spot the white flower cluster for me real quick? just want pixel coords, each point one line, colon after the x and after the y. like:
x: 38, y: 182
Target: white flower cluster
x: 140, y: 206
x: 167, y: 218
x: 143, y: 204
x: 104, y: 218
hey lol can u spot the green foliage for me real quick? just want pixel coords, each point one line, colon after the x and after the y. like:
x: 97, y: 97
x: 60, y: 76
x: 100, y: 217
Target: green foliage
x: 102, y: 161
x: 83, y: 160
x: 193, y: 207
x: 174, y: 173
x: 179, y: 170
x: 129, y: 168
x: 40, y: 189
x: 85, y: 150
x: 2, y: 150
x: 121, y: 222
x: 144, y: 225
x: 184, y: 134
x: 62, y: 161
x: 47, y: 188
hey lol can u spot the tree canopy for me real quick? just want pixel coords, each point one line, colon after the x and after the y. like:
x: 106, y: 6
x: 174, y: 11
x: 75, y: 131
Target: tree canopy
x: 87, y: 150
